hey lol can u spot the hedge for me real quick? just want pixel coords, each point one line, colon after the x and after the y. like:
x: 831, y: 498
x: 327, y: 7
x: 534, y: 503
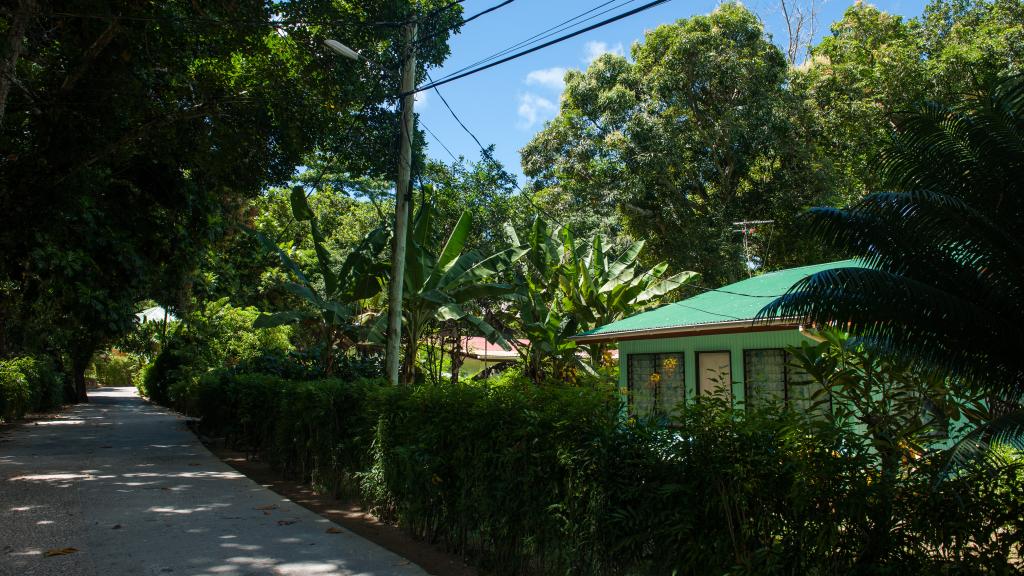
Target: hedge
x: 29, y: 384
x: 550, y: 480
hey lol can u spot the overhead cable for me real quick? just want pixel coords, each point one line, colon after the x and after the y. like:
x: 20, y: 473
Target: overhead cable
x: 520, y: 54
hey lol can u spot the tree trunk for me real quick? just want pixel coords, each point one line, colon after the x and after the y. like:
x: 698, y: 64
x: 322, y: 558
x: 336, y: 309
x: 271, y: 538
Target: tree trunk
x: 79, y: 364
x: 15, y: 41
x: 408, y: 372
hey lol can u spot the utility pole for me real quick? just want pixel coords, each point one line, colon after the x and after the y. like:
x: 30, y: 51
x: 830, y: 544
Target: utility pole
x: 748, y: 227
x: 403, y: 199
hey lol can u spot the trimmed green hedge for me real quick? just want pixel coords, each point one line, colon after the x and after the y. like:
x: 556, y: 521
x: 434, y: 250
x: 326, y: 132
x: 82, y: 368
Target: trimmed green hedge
x: 29, y: 384
x: 549, y: 480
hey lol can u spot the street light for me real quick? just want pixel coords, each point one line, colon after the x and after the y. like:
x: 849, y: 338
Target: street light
x: 342, y: 49
x: 403, y: 195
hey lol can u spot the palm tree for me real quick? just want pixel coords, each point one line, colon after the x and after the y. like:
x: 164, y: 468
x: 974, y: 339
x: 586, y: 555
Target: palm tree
x: 944, y: 282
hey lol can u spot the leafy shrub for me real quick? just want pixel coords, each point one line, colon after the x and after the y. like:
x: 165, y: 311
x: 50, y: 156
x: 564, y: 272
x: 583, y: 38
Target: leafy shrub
x: 146, y: 338
x: 28, y: 384
x: 15, y: 394
x: 549, y: 480
x: 117, y: 368
x: 318, y: 430
x: 218, y: 336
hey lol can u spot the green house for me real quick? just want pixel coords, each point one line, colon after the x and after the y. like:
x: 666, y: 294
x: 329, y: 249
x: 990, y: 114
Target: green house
x: 710, y: 344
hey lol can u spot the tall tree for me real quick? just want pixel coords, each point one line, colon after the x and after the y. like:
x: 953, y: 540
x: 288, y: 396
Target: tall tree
x: 133, y: 132
x: 875, y: 66
x: 698, y: 132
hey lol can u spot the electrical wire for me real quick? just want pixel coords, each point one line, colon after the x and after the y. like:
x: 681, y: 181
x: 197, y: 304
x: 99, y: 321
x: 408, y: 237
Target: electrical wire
x: 438, y: 140
x: 483, y: 149
x: 547, y: 33
x: 456, y: 116
x: 422, y: 39
x: 522, y: 53
x: 437, y: 11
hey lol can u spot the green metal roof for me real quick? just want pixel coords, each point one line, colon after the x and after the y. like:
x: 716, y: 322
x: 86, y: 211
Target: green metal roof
x: 740, y: 301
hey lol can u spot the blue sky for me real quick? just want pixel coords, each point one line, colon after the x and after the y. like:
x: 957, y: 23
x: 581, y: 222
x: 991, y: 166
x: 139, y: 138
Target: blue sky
x: 508, y: 104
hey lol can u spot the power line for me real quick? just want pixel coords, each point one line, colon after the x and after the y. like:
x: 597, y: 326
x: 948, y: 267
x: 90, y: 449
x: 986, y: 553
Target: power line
x: 560, y: 27
x: 520, y: 54
x: 487, y: 11
x: 438, y: 140
x: 437, y: 11
x: 483, y: 149
x: 465, y: 21
x: 456, y: 116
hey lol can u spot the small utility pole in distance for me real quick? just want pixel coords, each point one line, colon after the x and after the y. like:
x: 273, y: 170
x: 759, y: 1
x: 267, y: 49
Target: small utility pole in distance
x: 402, y: 201
x: 748, y: 227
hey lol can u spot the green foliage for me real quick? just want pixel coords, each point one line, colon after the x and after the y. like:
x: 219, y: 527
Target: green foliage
x: 875, y: 66
x: 484, y: 189
x: 117, y: 368
x: 218, y: 336
x: 943, y: 279
x: 146, y: 338
x: 333, y: 300
x: 903, y: 410
x: 29, y: 384
x: 699, y: 130
x: 180, y: 115
x: 317, y: 430
x: 440, y: 285
x: 566, y: 286
x: 529, y: 479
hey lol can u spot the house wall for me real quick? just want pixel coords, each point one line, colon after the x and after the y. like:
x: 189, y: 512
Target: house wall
x: 734, y: 343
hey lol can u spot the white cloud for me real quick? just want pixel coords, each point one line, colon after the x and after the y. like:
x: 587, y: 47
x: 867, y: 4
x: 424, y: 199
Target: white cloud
x: 552, y: 78
x: 421, y: 99
x: 594, y: 49
x: 534, y: 108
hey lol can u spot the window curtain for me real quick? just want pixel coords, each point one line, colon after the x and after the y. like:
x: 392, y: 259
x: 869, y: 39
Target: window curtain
x: 765, y: 373
x: 656, y: 384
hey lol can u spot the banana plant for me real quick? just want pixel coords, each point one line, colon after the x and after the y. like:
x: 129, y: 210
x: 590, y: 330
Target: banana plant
x: 334, y: 305
x: 440, y: 286
x: 569, y: 286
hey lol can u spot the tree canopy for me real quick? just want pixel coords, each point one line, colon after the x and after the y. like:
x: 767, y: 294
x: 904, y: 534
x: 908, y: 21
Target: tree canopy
x: 133, y: 135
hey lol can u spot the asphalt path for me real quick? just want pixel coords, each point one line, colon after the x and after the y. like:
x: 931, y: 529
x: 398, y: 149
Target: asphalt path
x: 122, y: 487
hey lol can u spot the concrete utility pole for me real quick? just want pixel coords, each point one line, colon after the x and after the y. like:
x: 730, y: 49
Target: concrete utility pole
x: 403, y: 197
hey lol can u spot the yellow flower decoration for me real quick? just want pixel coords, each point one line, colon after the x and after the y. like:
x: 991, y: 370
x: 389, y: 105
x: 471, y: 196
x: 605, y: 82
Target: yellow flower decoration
x: 670, y: 365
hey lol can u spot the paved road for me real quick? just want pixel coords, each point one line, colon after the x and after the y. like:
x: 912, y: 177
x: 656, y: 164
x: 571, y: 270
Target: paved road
x: 132, y: 489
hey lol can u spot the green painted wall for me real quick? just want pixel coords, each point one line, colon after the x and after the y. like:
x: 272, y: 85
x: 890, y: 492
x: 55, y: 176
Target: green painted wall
x: 690, y: 345
x: 735, y: 344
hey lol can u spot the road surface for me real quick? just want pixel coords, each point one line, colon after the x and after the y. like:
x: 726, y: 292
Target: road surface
x: 122, y: 487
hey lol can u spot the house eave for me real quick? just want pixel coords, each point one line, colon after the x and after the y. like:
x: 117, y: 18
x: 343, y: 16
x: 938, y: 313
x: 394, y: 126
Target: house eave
x: 730, y: 327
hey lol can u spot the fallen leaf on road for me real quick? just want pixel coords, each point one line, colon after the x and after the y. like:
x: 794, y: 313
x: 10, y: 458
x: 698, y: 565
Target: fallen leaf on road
x: 267, y: 507
x: 403, y: 563
x: 115, y: 527
x: 334, y: 530
x: 59, y: 551
x: 286, y: 522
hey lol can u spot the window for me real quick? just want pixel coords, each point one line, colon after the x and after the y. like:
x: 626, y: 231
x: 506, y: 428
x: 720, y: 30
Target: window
x: 770, y: 379
x: 714, y: 373
x: 656, y: 384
